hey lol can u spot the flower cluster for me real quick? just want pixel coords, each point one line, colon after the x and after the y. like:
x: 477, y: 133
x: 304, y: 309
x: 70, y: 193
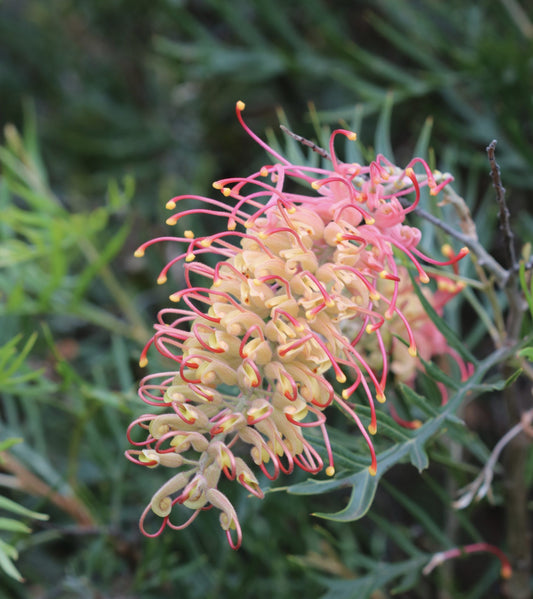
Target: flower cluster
x: 279, y: 330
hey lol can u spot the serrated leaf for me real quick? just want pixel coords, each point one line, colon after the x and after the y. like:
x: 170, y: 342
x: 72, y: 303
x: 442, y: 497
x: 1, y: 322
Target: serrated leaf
x: 364, y: 487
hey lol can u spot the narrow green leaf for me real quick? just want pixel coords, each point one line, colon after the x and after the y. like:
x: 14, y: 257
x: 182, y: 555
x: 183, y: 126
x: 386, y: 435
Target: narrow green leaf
x: 15, y: 508
x: 450, y: 335
x: 7, y: 554
x: 13, y: 525
x: 382, y: 140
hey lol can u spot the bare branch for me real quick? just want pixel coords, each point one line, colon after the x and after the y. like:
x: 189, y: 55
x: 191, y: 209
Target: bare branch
x: 306, y: 142
x: 504, y: 215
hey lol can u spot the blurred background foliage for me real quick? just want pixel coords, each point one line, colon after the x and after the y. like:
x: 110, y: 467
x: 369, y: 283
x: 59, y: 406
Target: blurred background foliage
x: 111, y: 107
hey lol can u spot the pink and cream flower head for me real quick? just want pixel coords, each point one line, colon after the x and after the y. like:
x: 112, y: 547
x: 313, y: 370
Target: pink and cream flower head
x: 279, y: 328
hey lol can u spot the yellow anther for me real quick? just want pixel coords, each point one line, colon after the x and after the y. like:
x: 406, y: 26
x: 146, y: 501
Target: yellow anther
x: 352, y: 136
x: 316, y: 184
x: 217, y: 185
x: 161, y: 279
x: 409, y: 171
x: 175, y: 297
x: 143, y: 362
x: 170, y: 205
x: 372, y: 429
x: 205, y: 243
x: 188, y: 234
x: 226, y: 191
x: 241, y: 105
x: 372, y: 469
x: 330, y: 471
x: 139, y: 253
x: 264, y: 171
x: 424, y: 278
x: 369, y: 220
x: 381, y: 397
x: 412, y: 351
x: 189, y: 257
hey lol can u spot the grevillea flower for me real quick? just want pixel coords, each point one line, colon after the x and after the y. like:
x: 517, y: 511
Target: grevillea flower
x: 277, y: 330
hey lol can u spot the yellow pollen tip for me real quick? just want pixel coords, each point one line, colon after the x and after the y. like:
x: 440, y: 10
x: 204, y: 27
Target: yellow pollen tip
x: 175, y: 297
x: 171, y: 220
x: 369, y: 329
x: 381, y: 397
x: 383, y: 274
x: 416, y: 424
x: 446, y: 250
x: 291, y: 210
x: 161, y: 279
x: 506, y: 571
x: 369, y: 220
x: 188, y: 234
x: 205, y: 243
x: 264, y: 171
x: 409, y: 171
x: 330, y: 471
x: 372, y: 429
x: 341, y: 378
x: 226, y: 191
x: 345, y: 394
x: 372, y: 469
x: 424, y: 278
x: 139, y: 253
x: 217, y: 185
x: 189, y: 257
x: 143, y: 362
x: 433, y: 191
x: 241, y: 105
x: 374, y: 297
x: 170, y: 205
x: 315, y: 184
x: 352, y: 136
x: 464, y: 250
x: 412, y: 351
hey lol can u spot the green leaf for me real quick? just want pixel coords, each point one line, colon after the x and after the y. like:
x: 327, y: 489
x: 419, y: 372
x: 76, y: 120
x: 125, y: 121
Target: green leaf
x: 7, y: 554
x: 13, y: 525
x: 375, y: 580
x: 449, y: 334
x: 15, y: 508
x: 382, y: 138
x: 527, y: 352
